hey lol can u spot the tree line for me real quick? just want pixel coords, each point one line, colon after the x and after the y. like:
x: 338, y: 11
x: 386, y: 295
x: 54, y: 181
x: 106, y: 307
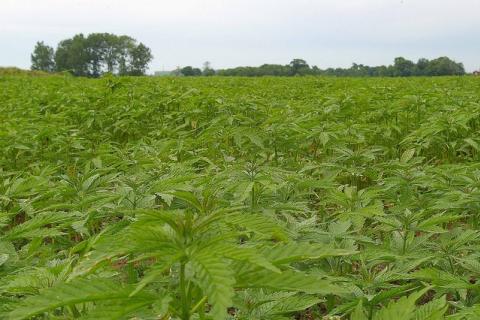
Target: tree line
x: 99, y: 53
x: 190, y: 71
x: 442, y: 66
x: 93, y: 55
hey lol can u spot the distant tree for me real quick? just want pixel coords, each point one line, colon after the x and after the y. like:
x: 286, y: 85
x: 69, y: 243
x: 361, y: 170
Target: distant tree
x: 316, y: 70
x: 96, y: 44
x: 118, y: 53
x: 73, y: 55
x: 207, y: 69
x: 197, y: 72
x: 403, y: 67
x: 42, y: 57
x: 140, y: 57
x: 299, y: 67
x: 102, y: 52
x: 358, y: 70
x: 108, y: 53
x: 189, y: 71
x: 273, y: 70
x: 444, y: 66
x: 421, y: 67
x: 385, y: 71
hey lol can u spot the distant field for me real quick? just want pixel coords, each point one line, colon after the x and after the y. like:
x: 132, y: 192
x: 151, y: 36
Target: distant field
x: 239, y: 198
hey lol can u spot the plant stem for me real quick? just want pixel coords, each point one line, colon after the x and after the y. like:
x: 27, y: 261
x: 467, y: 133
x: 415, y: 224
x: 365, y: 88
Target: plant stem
x: 199, y: 304
x: 183, y: 293
x: 405, y: 237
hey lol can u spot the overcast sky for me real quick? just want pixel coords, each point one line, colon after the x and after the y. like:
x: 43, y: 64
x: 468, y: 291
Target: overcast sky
x: 327, y: 33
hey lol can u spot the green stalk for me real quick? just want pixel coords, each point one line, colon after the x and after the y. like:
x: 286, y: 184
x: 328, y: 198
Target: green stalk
x: 450, y: 262
x: 253, y: 197
x: 183, y: 293
x: 199, y: 304
x: 405, y: 237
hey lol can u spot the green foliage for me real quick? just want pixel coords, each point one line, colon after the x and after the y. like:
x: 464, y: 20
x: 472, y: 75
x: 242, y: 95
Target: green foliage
x: 189, y: 71
x: 233, y: 198
x: 13, y: 71
x: 405, y: 308
x: 94, y: 55
x: 42, y: 58
x: 442, y: 66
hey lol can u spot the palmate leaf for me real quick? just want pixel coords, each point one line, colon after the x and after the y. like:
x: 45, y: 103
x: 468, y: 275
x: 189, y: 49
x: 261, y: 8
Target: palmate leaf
x: 294, y: 303
x: 471, y: 263
x: 156, y: 217
x: 35, y: 227
x: 189, y: 198
x: 3, y: 258
x: 262, y: 225
x: 289, y: 280
x: 431, y: 224
x: 155, y: 272
x: 243, y: 253
x: 406, y: 308
x: 433, y: 310
x: 407, y: 155
x: 389, y: 294
x: 25, y: 282
x: 358, y: 313
x: 121, y: 309
x: 291, y: 252
x: 363, y: 300
x: 214, y: 276
x: 468, y: 313
x: 403, y: 308
x: 75, y: 292
x: 111, y: 247
x: 442, y: 279
x: 116, y: 310
x: 101, y: 247
x: 258, y: 305
x: 8, y: 253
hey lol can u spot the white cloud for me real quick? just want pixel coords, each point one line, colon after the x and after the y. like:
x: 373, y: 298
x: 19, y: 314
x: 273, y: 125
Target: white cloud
x: 249, y: 32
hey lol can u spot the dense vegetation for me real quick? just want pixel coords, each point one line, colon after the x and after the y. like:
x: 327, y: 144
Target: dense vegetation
x: 93, y: 55
x: 442, y: 66
x: 234, y: 198
x: 14, y: 71
x: 100, y: 53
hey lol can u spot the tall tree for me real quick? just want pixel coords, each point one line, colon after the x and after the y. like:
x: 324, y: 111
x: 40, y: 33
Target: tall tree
x: 299, y: 66
x: 189, y: 71
x: 42, y: 57
x: 140, y: 57
x: 73, y: 55
x: 102, y: 52
x: 207, y: 69
x: 445, y: 66
x: 403, y: 67
x: 422, y: 66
